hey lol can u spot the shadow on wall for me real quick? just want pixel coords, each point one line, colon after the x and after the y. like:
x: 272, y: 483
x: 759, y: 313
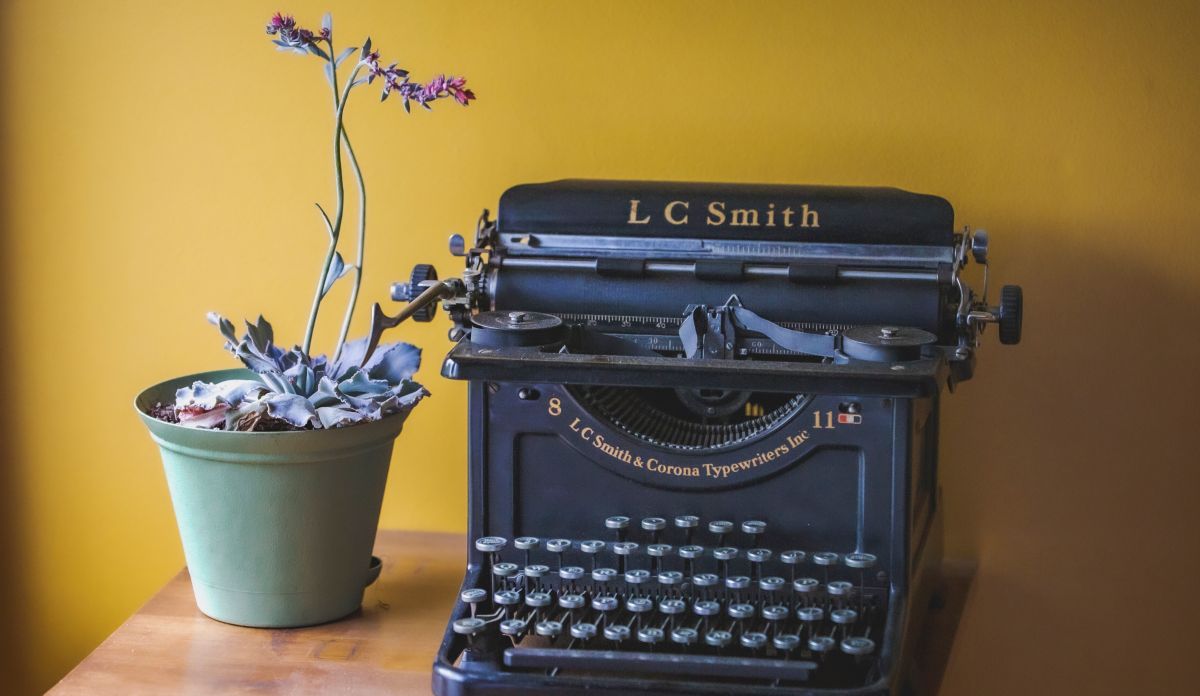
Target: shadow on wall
x: 13, y: 619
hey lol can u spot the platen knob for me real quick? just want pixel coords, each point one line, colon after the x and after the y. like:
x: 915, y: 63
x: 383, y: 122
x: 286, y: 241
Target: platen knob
x: 1010, y: 314
x: 407, y: 292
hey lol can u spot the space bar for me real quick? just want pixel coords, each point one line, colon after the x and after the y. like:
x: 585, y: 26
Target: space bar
x: 658, y: 663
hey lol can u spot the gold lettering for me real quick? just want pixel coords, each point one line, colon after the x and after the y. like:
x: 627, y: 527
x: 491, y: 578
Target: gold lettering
x: 744, y: 217
x: 787, y: 216
x: 671, y: 218
x: 806, y: 215
x: 633, y: 214
x: 716, y: 213
x: 771, y: 215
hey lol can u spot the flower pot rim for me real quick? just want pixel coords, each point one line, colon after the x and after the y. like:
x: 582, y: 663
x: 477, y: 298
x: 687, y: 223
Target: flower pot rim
x: 144, y: 400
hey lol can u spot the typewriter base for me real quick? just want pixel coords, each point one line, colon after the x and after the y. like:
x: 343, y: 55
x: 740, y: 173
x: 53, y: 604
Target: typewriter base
x: 916, y: 670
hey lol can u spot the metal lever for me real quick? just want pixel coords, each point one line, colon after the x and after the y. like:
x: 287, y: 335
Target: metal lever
x: 380, y: 321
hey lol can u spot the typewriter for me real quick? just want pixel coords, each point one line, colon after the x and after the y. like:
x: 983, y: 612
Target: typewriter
x: 703, y: 433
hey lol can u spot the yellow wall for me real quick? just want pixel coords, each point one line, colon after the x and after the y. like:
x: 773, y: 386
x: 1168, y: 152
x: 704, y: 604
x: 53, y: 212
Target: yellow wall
x: 161, y: 160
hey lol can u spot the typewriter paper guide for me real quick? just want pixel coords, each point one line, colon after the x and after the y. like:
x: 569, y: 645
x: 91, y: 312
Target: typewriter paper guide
x: 769, y: 212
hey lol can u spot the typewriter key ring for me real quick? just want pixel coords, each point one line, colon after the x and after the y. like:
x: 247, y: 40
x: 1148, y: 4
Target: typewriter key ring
x: 637, y: 606
x: 721, y: 528
x: 688, y: 524
x: 826, y: 559
x: 689, y: 554
x: 526, y: 543
x: 792, y: 559
x: 863, y: 562
x: 718, y: 639
x: 654, y: 525
x: 724, y: 555
x: 558, y: 547
x: 473, y: 597
x: 619, y: 523
x: 592, y: 548
x: 623, y: 549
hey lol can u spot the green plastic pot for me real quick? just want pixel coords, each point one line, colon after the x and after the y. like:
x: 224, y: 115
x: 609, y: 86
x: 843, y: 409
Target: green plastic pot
x: 277, y: 528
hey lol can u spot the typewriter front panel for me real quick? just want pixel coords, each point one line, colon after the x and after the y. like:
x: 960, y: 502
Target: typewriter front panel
x: 803, y: 589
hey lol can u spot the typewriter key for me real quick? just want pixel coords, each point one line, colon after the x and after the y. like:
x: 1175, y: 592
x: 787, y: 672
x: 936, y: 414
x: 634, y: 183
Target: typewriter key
x: 504, y: 571
x: 536, y: 571
x: 490, y: 544
x: 637, y: 577
x: 583, y: 632
x: 704, y: 609
x: 513, y: 627
x: 618, y: 523
x: 753, y: 640
x: 704, y: 582
x: 604, y: 603
x: 725, y: 554
x: 684, y: 636
x: 558, y: 547
x: 826, y: 559
x: 862, y: 561
x: 775, y: 612
x: 721, y: 528
x: 843, y: 617
x: 623, y: 549
x: 821, y: 644
x: 757, y: 557
x: 638, y: 606
x: 737, y: 583
x: 806, y: 586
x: 473, y: 597
x: 651, y: 636
x: 537, y: 600
x: 469, y: 627
x: 786, y: 643
x: 571, y: 574
x: 670, y: 578
x: 548, y: 628
x: 603, y: 575
x: 754, y: 529
x: 507, y: 599
x: 688, y: 524
x: 718, y: 639
x: 839, y: 588
x: 810, y: 615
x: 772, y: 584
x: 526, y: 544
x: 857, y: 645
x: 793, y: 558
x: 740, y: 612
x: 671, y: 608
x: 616, y: 633
x: 570, y: 601
x: 592, y: 548
x: 655, y: 552
x: 689, y: 554
x: 654, y: 525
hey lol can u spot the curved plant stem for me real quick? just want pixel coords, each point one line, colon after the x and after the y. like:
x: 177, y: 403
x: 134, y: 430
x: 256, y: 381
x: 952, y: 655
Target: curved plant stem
x: 362, y: 239
x: 339, y: 211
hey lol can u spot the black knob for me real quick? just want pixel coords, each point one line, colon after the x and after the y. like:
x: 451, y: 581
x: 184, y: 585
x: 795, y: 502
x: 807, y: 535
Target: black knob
x: 421, y: 273
x: 1010, y: 314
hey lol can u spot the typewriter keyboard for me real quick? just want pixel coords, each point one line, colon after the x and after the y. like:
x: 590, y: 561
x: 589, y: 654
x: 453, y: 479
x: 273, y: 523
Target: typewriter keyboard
x: 680, y: 596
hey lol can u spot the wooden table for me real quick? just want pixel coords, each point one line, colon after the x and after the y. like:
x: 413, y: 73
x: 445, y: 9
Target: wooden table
x: 169, y: 647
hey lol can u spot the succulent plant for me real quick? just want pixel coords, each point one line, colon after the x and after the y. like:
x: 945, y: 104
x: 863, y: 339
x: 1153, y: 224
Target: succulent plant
x: 297, y: 390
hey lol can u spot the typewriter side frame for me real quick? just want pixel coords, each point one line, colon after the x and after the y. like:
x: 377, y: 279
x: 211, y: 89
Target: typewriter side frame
x: 910, y: 393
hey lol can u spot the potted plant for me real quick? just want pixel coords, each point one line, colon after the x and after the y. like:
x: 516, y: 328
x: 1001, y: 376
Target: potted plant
x: 276, y: 471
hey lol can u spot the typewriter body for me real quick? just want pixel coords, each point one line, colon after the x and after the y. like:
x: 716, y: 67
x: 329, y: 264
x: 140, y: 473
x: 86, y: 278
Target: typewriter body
x: 703, y: 434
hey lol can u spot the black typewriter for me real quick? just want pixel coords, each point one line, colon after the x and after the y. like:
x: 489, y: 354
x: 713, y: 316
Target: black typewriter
x: 703, y: 433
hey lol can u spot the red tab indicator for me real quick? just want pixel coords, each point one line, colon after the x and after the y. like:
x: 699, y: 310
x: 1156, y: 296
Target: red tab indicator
x: 849, y: 419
